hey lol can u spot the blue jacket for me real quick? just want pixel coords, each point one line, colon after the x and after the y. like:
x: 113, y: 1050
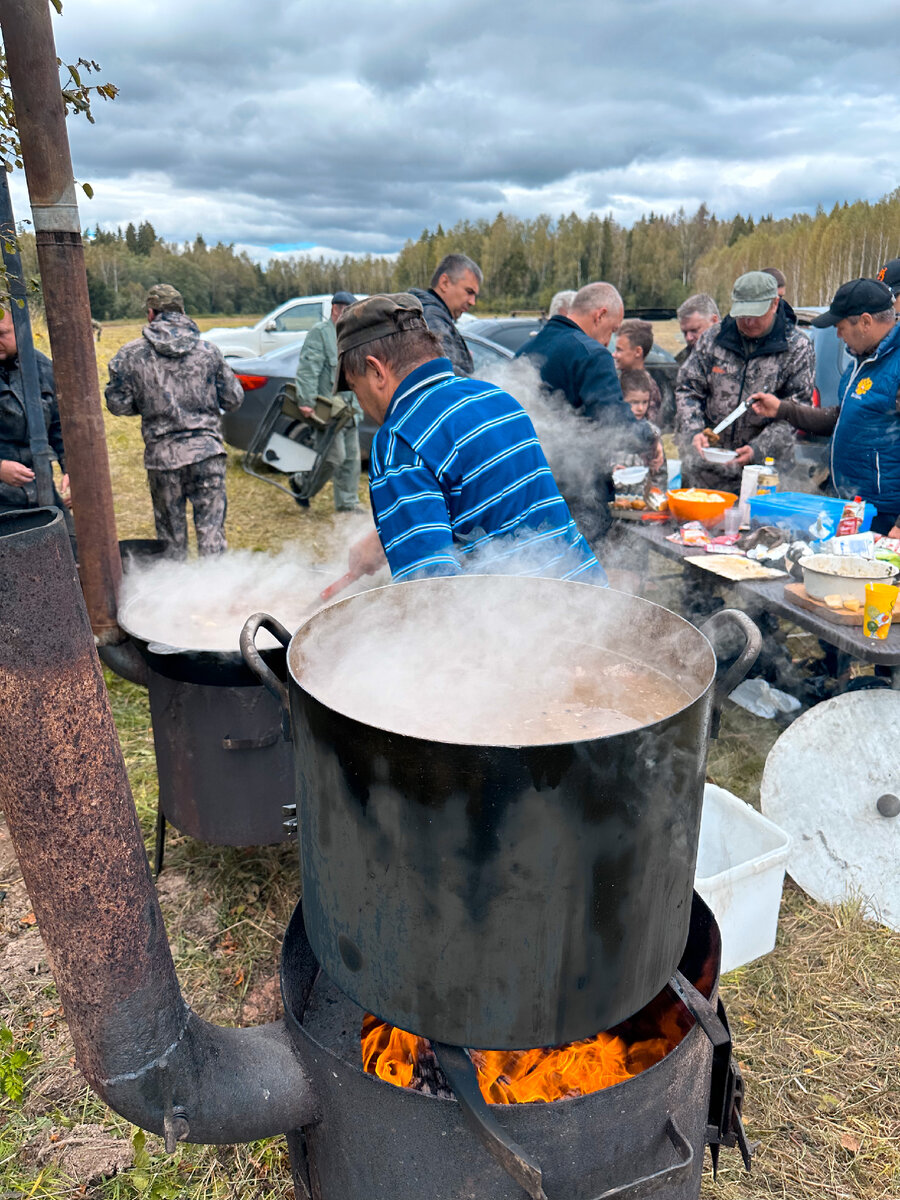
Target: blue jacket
x: 457, y: 475
x: 865, y: 448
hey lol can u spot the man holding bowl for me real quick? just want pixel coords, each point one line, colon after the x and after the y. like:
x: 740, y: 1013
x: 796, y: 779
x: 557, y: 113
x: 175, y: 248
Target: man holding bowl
x: 754, y: 352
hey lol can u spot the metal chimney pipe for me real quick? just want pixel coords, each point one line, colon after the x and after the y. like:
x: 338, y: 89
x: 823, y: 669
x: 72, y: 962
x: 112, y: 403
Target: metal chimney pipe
x: 65, y: 793
x: 40, y: 117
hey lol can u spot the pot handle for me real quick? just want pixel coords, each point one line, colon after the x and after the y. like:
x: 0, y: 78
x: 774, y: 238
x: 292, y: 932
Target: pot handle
x: 660, y: 1181
x: 253, y: 659
x: 726, y: 683
x: 459, y: 1069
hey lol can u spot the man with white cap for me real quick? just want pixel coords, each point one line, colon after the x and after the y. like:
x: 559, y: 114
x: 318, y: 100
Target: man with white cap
x: 756, y: 351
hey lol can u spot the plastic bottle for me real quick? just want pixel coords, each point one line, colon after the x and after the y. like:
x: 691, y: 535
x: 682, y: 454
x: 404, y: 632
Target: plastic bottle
x: 768, y: 479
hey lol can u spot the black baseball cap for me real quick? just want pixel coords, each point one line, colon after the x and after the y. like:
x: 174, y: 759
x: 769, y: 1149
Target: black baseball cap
x: 855, y: 298
x: 344, y: 298
x: 890, y: 275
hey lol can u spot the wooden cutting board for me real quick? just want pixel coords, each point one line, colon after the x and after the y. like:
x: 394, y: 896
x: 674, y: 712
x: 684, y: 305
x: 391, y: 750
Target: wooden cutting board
x: 797, y: 594
x: 734, y: 567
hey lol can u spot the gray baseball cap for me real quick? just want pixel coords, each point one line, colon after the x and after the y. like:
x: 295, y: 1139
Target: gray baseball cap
x: 752, y: 294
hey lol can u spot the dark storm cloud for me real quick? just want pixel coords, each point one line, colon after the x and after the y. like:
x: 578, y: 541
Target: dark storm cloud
x: 354, y: 126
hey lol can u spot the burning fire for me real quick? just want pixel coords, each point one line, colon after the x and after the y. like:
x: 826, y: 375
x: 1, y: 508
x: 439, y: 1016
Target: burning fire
x: 521, y: 1076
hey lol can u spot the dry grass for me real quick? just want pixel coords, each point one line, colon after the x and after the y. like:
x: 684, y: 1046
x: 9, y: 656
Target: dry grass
x: 816, y: 1023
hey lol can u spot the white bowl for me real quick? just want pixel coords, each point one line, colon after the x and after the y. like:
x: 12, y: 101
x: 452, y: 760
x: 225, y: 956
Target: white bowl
x: 629, y: 476
x: 844, y: 575
x: 714, y: 455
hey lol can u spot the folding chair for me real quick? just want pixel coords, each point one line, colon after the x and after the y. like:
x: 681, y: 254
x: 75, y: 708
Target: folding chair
x: 301, y: 452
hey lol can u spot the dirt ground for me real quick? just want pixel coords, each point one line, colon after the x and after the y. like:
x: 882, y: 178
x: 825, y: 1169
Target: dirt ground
x: 816, y: 1023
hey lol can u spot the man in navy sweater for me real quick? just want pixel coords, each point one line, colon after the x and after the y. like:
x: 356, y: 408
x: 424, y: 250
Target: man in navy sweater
x: 572, y: 357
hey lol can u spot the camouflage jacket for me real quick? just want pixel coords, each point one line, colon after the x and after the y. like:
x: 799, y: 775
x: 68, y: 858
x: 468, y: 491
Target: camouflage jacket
x: 439, y: 321
x: 721, y: 372
x: 179, y: 386
x: 317, y: 368
x: 15, y: 445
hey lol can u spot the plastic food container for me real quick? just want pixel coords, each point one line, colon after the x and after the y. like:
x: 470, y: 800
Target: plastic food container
x: 798, y: 510
x: 699, y: 504
x: 740, y: 873
x: 714, y: 455
x: 843, y: 575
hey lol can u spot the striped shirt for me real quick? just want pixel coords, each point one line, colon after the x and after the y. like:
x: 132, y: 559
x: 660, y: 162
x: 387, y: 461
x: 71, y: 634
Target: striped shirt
x: 459, y: 482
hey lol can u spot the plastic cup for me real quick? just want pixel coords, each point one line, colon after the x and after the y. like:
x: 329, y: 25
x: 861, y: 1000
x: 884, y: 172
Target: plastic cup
x: 732, y: 519
x: 879, y: 609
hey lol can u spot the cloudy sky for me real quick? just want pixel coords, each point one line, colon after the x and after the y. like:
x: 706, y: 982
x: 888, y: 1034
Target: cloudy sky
x: 351, y: 125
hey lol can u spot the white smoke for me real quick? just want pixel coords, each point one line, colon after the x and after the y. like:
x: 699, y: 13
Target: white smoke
x: 203, y: 604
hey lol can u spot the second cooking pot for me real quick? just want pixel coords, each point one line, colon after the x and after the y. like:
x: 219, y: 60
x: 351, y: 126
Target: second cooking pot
x: 477, y: 867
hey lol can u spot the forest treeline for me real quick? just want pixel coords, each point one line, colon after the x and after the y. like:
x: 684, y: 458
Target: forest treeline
x: 658, y: 261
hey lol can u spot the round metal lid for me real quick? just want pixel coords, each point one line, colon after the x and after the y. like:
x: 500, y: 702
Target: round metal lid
x: 832, y: 781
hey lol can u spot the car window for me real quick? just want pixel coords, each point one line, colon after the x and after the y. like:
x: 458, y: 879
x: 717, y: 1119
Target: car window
x: 299, y: 318
x: 484, y: 355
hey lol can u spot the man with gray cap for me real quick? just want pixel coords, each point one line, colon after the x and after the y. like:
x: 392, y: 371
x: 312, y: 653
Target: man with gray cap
x: 457, y: 476
x: 756, y: 351
x: 316, y: 374
x: 179, y: 385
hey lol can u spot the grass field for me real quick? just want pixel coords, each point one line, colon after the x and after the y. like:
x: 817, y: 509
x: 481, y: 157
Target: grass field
x: 816, y: 1023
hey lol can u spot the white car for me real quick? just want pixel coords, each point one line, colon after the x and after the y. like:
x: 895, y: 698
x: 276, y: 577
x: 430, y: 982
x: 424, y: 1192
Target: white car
x: 283, y: 326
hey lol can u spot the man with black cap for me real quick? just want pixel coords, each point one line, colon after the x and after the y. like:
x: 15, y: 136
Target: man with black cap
x: 316, y: 374
x: 865, y: 424
x: 756, y: 351
x: 890, y: 275
x: 179, y: 385
x: 457, y: 476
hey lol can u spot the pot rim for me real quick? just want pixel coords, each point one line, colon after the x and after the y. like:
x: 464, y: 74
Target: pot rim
x: 484, y: 746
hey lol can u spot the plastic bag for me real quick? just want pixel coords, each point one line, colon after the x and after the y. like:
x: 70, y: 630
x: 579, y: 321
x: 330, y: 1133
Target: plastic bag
x: 763, y: 700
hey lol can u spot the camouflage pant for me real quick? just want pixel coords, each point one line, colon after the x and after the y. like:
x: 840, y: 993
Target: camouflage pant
x: 203, y: 483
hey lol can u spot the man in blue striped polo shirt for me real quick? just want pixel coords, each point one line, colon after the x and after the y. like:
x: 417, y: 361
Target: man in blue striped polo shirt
x: 458, y: 480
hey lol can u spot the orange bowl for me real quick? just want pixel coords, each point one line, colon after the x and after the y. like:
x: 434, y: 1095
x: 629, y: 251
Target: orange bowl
x: 700, y: 504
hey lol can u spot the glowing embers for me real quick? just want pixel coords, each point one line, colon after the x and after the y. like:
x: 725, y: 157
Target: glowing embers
x: 520, y: 1076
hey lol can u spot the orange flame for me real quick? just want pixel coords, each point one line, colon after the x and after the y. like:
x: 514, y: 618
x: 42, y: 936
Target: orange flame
x: 522, y: 1076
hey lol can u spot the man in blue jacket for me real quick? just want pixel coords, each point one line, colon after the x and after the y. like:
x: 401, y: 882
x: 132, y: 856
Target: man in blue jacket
x: 457, y: 476
x: 572, y: 356
x: 865, y: 425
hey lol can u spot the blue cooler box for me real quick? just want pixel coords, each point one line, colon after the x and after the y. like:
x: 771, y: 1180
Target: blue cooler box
x: 798, y: 510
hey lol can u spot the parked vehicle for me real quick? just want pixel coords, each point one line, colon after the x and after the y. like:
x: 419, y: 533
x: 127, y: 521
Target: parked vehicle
x: 263, y: 378
x: 813, y: 454
x: 514, y: 332
x: 832, y: 356
x: 286, y: 325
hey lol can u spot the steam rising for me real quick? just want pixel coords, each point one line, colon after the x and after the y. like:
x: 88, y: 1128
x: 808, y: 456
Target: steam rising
x: 501, y: 661
x: 203, y: 604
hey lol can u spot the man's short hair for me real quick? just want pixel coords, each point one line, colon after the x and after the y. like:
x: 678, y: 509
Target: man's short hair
x: 700, y: 305
x: 455, y: 266
x: 635, y: 380
x: 596, y: 295
x: 560, y: 304
x: 779, y: 276
x: 887, y: 316
x: 639, y: 333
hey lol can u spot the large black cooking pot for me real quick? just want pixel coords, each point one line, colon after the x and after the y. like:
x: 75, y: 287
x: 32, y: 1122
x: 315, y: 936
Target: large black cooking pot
x: 493, y: 892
